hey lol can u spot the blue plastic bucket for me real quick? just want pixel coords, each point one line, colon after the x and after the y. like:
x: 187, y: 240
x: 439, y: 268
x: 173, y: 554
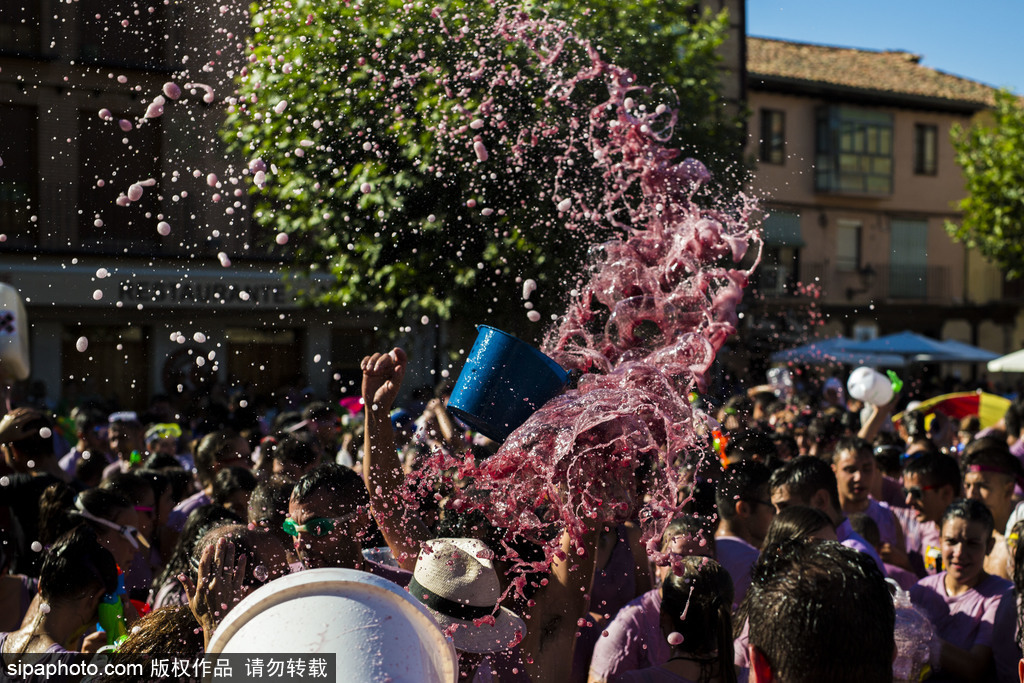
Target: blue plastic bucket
x: 504, y: 381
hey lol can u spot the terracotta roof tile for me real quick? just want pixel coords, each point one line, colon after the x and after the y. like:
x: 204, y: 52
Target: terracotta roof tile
x: 883, y: 71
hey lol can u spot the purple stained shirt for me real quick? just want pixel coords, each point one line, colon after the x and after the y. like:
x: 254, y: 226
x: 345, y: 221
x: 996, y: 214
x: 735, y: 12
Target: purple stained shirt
x: 964, y: 620
x: 69, y: 461
x: 887, y: 523
x: 737, y: 556
x: 851, y: 539
x: 634, y: 640
x: 176, y: 519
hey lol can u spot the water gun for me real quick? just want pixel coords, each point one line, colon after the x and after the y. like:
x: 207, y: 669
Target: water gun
x: 111, y: 613
x: 897, y: 383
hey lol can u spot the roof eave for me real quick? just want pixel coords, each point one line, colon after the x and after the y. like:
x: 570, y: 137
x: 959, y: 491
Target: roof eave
x: 797, y: 86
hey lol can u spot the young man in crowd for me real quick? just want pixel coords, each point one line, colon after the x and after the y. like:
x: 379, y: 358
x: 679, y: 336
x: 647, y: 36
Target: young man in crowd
x: 990, y: 474
x: 810, y: 481
x: 745, y: 512
x: 931, y: 482
x: 328, y: 518
x: 853, y: 462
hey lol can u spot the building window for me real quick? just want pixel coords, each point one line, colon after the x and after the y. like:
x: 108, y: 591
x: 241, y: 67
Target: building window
x: 908, y: 259
x: 847, y: 245
x: 854, y: 151
x: 109, y: 163
x: 19, y: 27
x: 103, y: 41
x: 926, y: 141
x: 19, y: 181
x: 773, y: 136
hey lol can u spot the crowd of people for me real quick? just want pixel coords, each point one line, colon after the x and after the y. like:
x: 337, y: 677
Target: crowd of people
x: 806, y: 516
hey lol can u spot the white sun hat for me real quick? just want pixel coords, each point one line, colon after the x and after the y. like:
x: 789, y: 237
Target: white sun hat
x: 455, y: 579
x: 376, y: 629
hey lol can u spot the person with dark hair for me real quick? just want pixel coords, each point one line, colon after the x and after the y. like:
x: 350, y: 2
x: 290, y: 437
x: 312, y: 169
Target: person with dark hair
x: 214, y: 452
x: 109, y: 514
x: 635, y: 640
x: 795, y: 522
x: 853, y: 462
x: 819, y: 611
x: 228, y: 563
x: 930, y: 483
x: 962, y: 601
x: 697, y: 624
x: 29, y: 468
x: 751, y: 444
x: 167, y: 590
x: 268, y: 508
x: 91, y: 434
x: 126, y: 439
x: 745, y: 512
x: 800, y: 522
x: 324, y: 427
x: 810, y: 481
x: 823, y: 432
x: 328, y: 518
x: 231, y: 489
x: 294, y: 455
x: 868, y: 529
x: 990, y: 475
x: 147, y: 562
x: 77, y: 572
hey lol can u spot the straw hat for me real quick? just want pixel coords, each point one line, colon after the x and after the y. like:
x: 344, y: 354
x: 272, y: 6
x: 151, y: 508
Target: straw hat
x: 455, y: 579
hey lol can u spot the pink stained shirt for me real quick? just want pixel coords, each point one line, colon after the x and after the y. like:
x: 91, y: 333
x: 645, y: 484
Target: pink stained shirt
x: 634, y: 640
x: 737, y: 557
x: 964, y: 620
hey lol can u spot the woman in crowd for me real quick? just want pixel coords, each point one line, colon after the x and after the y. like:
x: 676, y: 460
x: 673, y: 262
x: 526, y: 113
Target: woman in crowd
x: 697, y: 625
x: 77, y: 572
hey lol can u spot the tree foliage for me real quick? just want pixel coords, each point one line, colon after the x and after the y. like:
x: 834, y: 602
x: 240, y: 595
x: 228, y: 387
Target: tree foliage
x: 416, y: 160
x: 992, y: 159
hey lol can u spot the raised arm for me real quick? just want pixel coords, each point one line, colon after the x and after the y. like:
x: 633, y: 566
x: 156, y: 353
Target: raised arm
x: 382, y: 469
x: 556, y: 610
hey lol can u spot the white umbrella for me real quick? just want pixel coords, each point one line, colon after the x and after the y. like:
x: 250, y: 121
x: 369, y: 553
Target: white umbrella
x: 1013, y: 362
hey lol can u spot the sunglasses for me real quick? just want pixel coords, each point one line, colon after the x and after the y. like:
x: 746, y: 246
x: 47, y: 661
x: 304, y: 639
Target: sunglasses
x: 318, y: 526
x: 916, y: 492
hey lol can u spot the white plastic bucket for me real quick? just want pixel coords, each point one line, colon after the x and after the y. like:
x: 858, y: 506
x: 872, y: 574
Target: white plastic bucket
x: 377, y: 630
x: 14, y: 363
x: 870, y: 386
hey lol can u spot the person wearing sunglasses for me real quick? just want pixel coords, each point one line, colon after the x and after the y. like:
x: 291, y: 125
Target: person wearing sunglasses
x: 930, y: 483
x: 328, y: 519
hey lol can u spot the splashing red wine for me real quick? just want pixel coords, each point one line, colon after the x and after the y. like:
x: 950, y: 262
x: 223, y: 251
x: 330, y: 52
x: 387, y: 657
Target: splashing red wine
x: 658, y: 302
